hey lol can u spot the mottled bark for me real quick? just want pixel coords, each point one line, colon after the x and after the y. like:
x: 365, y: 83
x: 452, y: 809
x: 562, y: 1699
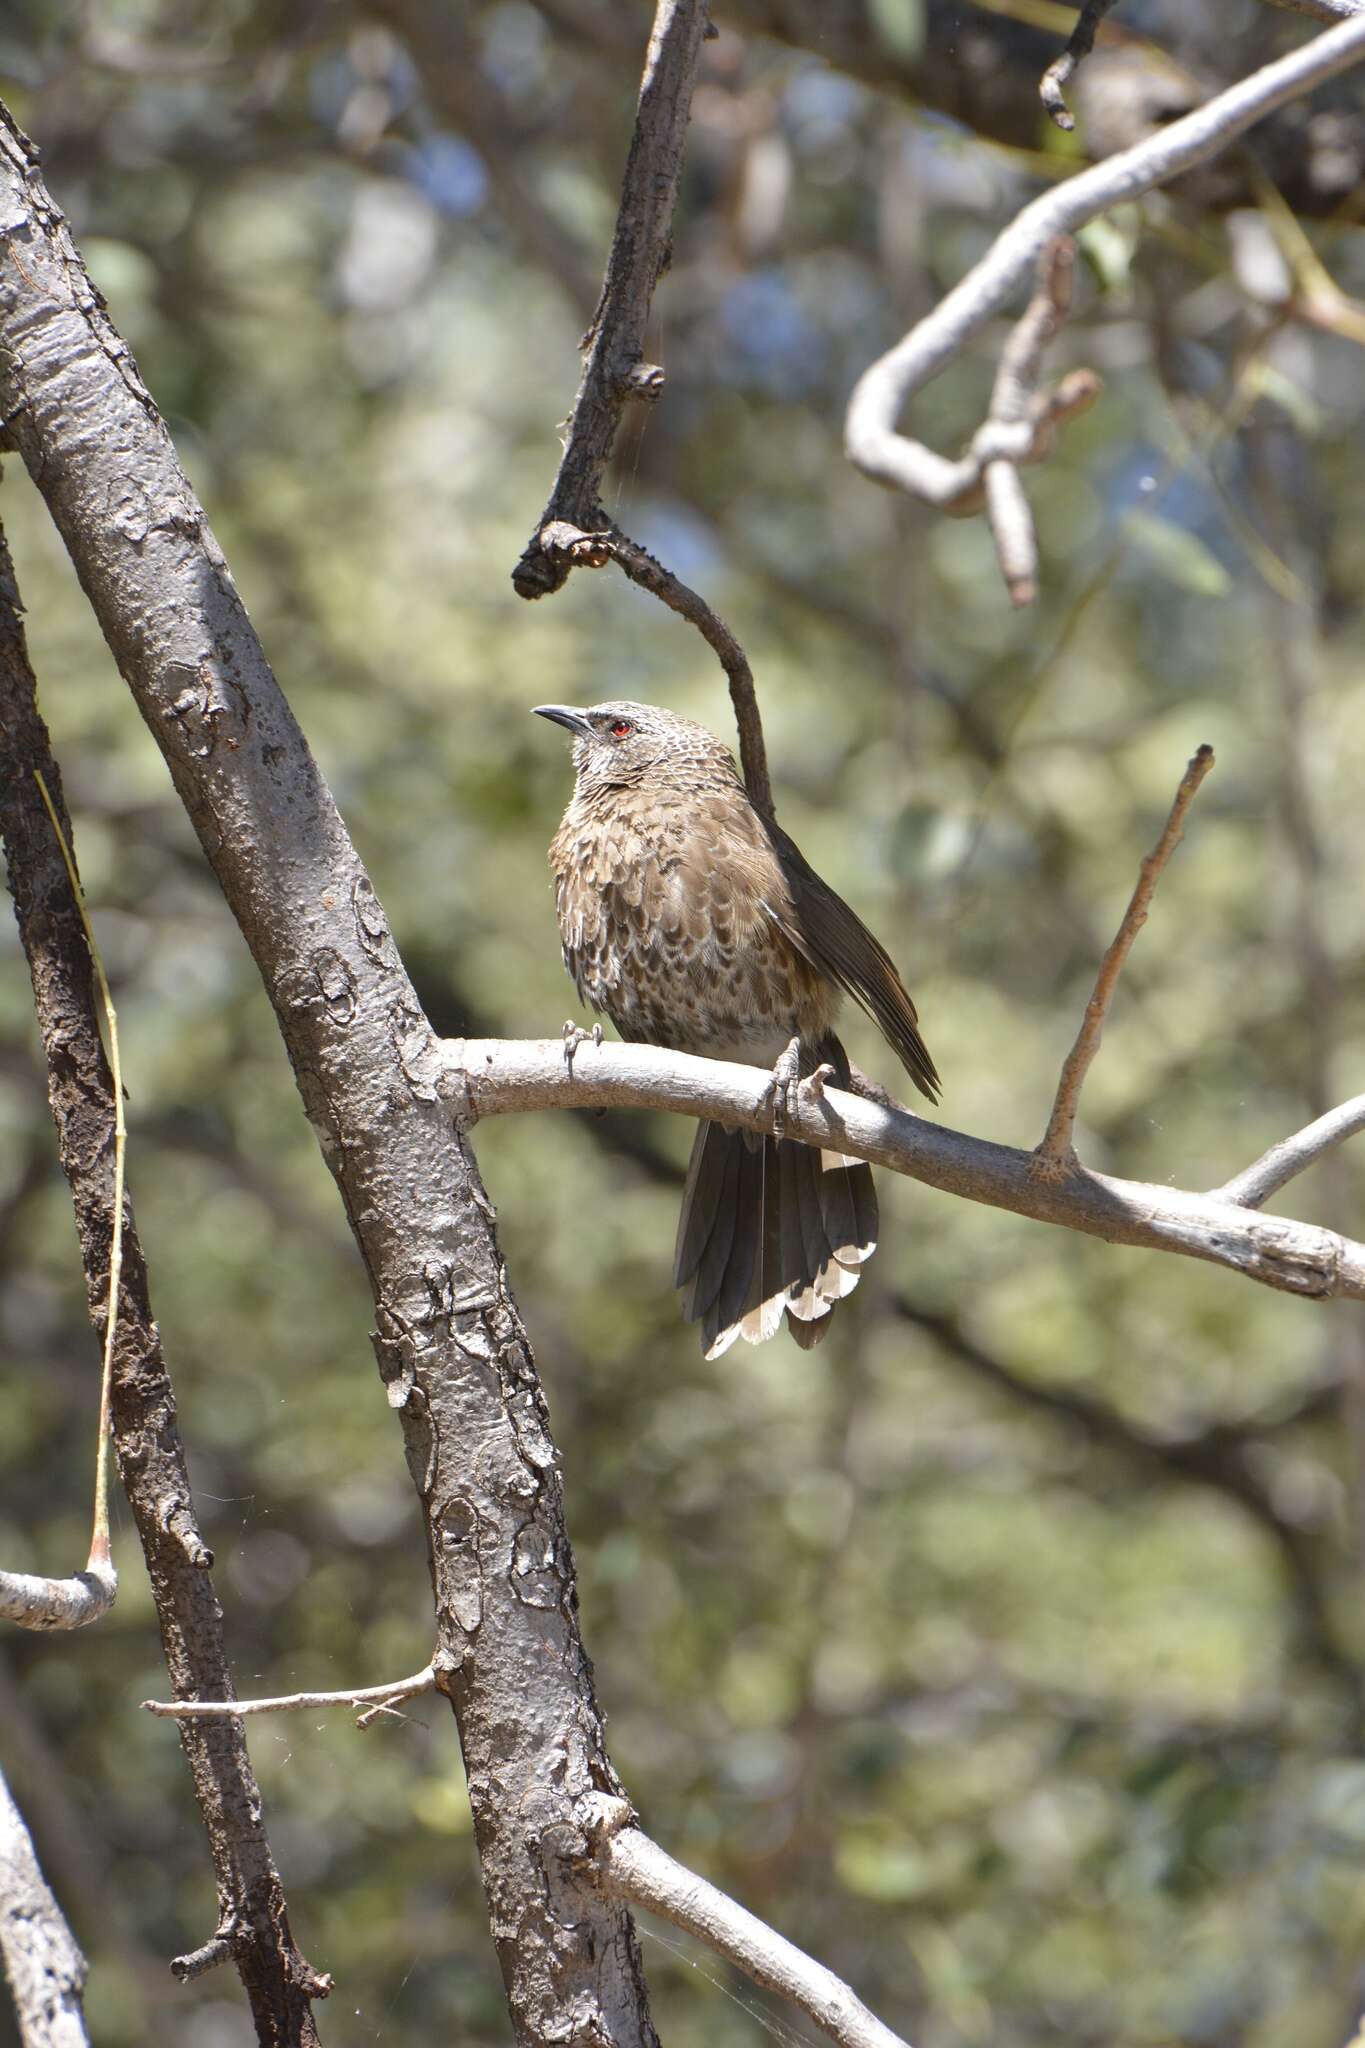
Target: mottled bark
x: 151, y: 1458
x: 43, y: 1964
x: 452, y: 1351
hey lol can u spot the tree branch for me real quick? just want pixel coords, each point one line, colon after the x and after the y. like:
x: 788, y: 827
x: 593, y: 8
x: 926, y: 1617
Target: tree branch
x: 630, y: 1866
x: 574, y: 531
x: 502, y: 1076
x: 376, y: 1699
x: 43, y: 1962
x: 452, y: 1351
x: 54, y: 1604
x: 881, y: 393
x: 278, y: 1981
x: 1056, y: 1150
x: 1062, y: 70
x: 1255, y: 1184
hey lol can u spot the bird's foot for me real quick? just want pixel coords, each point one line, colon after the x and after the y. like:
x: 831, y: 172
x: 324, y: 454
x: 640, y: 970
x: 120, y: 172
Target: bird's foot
x: 574, y: 1035
x: 783, y: 1086
x: 816, y: 1083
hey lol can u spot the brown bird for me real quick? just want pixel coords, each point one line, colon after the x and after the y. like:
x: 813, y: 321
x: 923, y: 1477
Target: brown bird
x: 691, y: 921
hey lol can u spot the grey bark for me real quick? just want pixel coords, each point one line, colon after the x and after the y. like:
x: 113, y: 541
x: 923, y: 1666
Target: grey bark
x: 43, y: 1963
x: 452, y: 1351
x: 279, y: 1984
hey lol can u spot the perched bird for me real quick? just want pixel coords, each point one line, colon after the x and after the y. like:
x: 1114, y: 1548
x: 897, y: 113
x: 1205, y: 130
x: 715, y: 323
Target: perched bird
x: 691, y: 921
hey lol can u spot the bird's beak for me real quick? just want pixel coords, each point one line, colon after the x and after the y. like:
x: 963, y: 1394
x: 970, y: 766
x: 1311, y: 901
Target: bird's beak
x: 564, y: 714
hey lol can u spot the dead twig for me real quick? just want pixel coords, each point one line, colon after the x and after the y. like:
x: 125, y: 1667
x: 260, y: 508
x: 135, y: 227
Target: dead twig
x: 1056, y: 1153
x: 573, y: 531
x: 1062, y: 69
x: 375, y: 1699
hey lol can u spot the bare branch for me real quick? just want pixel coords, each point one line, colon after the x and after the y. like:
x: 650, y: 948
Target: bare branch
x: 1063, y: 69
x: 1255, y: 1184
x: 277, y: 1979
x: 40, y: 1603
x: 614, y: 369
x: 499, y: 1076
x: 44, y: 1965
x: 375, y: 1698
x: 574, y: 531
x: 1056, y: 1152
x: 1025, y: 420
x: 609, y: 544
x: 477, y: 1439
x: 632, y: 1867
x: 882, y: 392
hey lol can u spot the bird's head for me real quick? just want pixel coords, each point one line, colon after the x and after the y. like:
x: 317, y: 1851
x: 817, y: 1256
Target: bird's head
x: 615, y: 744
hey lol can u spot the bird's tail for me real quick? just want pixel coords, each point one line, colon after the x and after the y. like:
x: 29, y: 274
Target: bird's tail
x: 770, y: 1226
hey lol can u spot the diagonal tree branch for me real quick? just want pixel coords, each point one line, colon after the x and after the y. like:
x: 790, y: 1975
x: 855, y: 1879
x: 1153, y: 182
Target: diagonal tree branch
x: 628, y: 1865
x: 43, y: 1962
x: 1056, y: 1151
x: 871, y: 438
x: 1255, y: 1184
x: 452, y: 1351
x: 278, y: 1982
x: 501, y: 1076
x: 574, y: 531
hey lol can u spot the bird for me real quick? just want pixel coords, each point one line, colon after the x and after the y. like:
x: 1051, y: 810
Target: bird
x: 689, y: 919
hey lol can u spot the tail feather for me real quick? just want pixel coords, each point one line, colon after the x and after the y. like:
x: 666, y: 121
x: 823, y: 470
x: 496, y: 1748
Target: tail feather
x: 769, y: 1227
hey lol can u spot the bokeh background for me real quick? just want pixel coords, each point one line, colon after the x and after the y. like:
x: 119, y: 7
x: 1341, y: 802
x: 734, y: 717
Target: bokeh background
x: 1007, y: 1650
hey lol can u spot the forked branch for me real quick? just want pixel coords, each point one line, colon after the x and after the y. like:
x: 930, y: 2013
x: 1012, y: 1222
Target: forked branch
x: 1293, y: 1155
x: 873, y: 443
x: 1056, y: 1153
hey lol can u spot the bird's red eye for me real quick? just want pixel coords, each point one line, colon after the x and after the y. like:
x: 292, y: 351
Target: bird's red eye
x: 620, y: 727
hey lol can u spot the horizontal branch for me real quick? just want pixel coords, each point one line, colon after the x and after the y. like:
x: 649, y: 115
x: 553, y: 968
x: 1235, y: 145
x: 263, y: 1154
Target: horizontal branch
x: 1293, y: 1155
x: 631, y: 1867
x: 495, y: 1076
x: 376, y: 1699
x: 38, y: 1603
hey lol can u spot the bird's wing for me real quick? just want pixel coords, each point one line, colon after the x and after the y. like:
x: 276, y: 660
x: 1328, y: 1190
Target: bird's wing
x: 837, y: 943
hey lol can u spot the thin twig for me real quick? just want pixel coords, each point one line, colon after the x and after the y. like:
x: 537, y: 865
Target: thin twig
x: 503, y: 1076
x: 608, y: 544
x: 1024, y: 421
x: 632, y: 1867
x: 1062, y: 69
x: 376, y: 1698
x: 1056, y: 1153
x: 99, y: 1538
x: 881, y: 393
x: 1255, y: 1184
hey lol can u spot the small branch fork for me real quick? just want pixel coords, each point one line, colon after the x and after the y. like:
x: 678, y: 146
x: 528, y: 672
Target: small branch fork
x: 573, y: 531
x: 1258, y: 1182
x: 871, y: 438
x: 1056, y: 1154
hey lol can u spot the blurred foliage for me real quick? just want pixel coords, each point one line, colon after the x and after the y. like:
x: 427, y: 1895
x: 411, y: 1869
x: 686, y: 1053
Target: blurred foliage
x: 1006, y: 1651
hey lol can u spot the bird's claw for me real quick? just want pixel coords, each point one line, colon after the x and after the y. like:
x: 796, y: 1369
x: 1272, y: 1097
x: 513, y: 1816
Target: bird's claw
x: 816, y: 1083
x: 783, y: 1089
x: 574, y: 1035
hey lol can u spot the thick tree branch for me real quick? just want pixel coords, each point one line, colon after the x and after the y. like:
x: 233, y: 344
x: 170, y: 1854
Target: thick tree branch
x: 1056, y: 1150
x: 871, y: 437
x: 278, y: 1981
x: 452, y: 1351
x: 630, y: 1866
x: 1255, y: 1184
x: 499, y: 1076
x: 43, y: 1963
